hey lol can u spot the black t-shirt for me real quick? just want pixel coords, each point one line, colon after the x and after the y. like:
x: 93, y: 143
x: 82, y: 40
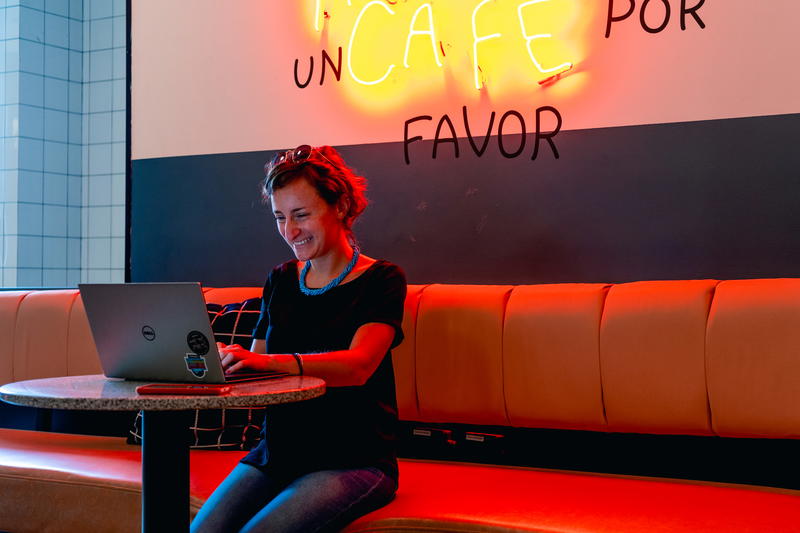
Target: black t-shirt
x: 347, y: 427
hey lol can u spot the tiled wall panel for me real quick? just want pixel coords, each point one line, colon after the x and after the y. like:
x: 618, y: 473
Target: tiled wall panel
x: 62, y: 122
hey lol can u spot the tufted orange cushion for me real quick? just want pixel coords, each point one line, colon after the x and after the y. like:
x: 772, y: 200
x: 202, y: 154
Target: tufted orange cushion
x: 753, y: 348
x: 403, y: 358
x: 9, y: 305
x: 82, y: 357
x: 41, y: 334
x: 652, y: 356
x: 551, y: 356
x: 459, y: 354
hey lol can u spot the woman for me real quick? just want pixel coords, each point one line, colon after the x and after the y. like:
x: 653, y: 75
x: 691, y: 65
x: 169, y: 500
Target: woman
x: 333, y: 313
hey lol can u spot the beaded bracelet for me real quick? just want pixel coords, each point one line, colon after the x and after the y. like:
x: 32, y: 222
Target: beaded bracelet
x: 299, y: 363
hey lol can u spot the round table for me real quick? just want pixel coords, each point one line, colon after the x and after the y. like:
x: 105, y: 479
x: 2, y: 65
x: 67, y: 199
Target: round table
x: 165, y: 426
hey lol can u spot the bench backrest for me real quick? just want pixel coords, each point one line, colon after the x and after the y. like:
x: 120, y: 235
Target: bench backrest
x: 699, y: 357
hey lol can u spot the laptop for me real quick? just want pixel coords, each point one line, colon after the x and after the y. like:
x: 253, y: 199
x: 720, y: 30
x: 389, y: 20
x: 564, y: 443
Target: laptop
x: 156, y: 332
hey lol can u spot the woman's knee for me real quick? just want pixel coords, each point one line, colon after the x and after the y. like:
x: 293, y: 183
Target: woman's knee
x: 325, y: 501
x: 241, y: 495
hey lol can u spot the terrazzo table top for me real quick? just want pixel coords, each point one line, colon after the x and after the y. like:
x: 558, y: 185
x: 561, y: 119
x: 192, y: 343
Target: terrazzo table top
x: 97, y: 392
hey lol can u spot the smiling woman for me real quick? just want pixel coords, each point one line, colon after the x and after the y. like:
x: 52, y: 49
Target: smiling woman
x: 334, y: 313
x: 329, y: 189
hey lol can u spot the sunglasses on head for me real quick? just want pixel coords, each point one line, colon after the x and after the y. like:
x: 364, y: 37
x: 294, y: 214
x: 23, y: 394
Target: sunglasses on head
x: 291, y: 159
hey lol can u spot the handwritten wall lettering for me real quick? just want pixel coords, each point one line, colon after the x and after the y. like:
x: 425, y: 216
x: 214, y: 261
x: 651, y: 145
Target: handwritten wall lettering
x: 649, y: 14
x: 420, y: 22
x: 445, y: 133
x: 327, y: 62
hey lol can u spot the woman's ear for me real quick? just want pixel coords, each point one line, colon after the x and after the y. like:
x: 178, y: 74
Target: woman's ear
x: 342, y: 208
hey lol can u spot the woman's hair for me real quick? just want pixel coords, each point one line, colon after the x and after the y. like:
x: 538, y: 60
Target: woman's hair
x: 326, y: 171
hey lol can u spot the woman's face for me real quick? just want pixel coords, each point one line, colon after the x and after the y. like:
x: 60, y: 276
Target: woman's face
x: 305, y: 221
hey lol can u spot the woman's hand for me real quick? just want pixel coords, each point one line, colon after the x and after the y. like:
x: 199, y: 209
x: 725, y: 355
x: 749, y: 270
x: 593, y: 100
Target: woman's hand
x: 234, y: 358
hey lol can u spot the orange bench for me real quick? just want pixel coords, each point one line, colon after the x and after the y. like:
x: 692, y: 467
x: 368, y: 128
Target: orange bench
x: 58, y: 482
x: 696, y: 357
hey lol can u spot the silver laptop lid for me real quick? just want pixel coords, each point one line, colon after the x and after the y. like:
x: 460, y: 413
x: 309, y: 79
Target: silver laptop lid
x: 152, y: 331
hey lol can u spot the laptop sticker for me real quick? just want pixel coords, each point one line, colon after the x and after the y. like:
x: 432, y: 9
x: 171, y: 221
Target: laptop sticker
x: 196, y: 364
x: 198, y: 343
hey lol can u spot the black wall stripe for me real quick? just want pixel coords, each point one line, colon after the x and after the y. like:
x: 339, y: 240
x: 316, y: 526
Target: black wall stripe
x: 712, y: 199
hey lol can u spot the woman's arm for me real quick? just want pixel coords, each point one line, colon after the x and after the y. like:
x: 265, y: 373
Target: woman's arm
x: 341, y: 368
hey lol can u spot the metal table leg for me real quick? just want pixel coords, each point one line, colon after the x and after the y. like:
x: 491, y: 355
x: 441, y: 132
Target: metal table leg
x: 165, y: 471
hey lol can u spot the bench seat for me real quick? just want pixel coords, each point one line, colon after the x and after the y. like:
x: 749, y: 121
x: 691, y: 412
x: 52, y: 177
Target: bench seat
x: 81, y: 474
x: 446, y: 496
x: 683, y: 357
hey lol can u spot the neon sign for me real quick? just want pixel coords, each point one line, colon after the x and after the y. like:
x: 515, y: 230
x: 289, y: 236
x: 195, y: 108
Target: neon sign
x: 389, y: 51
x: 430, y: 32
x: 406, y: 43
x: 554, y: 71
x: 352, y: 37
x: 478, y: 39
x: 399, y: 52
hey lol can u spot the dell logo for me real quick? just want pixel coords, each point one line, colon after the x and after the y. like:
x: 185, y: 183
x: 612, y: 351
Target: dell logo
x: 148, y: 333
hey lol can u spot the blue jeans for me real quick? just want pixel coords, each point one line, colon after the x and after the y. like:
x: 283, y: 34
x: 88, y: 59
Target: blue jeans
x: 250, y: 500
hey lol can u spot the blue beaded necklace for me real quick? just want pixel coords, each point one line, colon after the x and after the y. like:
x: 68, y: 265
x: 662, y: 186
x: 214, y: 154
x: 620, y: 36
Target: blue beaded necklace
x: 334, y: 282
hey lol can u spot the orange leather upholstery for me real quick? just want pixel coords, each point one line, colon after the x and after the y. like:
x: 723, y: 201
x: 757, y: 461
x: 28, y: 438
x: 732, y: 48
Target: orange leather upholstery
x: 551, y: 356
x: 459, y: 348
x: 92, y: 484
x: 76, y: 483
x: 452, y: 497
x: 41, y: 334
x: 226, y: 295
x: 9, y: 307
x: 753, y: 358
x: 51, y: 336
x: 403, y: 360
x: 695, y: 357
x: 53, y: 482
x: 652, y: 357
x: 82, y: 355
x: 686, y: 357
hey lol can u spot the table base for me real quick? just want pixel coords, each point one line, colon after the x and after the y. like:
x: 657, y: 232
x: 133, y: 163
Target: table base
x: 165, y: 471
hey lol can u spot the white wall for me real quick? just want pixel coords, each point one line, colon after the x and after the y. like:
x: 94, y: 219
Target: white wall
x: 218, y: 78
